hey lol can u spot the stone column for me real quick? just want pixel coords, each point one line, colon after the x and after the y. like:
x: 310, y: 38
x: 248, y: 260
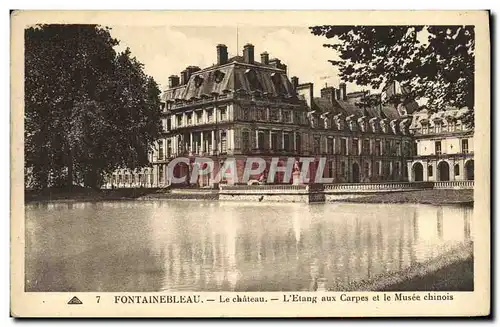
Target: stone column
x: 256, y: 138
x: 283, y: 140
x: 270, y: 139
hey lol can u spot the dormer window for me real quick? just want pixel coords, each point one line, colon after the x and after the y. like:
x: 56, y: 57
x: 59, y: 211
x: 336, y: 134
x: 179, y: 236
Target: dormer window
x: 198, y: 80
x: 438, y: 127
x: 253, y: 80
x: 219, y: 76
x: 278, y: 83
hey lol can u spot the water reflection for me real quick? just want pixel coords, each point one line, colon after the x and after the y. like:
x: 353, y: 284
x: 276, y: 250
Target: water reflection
x: 153, y: 246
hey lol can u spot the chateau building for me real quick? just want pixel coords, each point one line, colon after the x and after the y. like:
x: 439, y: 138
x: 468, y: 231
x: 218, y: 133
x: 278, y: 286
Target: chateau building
x: 240, y: 108
x: 444, y: 146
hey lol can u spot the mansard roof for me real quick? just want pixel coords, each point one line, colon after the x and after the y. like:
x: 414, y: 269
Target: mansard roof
x: 350, y: 107
x: 233, y: 77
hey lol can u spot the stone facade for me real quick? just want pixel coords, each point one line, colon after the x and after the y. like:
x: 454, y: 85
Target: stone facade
x: 444, y: 147
x: 241, y: 108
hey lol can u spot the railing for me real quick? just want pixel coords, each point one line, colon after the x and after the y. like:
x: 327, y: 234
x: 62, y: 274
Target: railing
x: 389, y: 186
x: 454, y: 185
x: 263, y: 189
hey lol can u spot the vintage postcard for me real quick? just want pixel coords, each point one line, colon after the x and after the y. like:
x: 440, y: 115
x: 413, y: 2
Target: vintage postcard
x: 250, y: 163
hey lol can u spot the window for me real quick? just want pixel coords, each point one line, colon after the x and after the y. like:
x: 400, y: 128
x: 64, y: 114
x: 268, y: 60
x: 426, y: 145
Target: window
x: 169, y: 148
x: 223, y: 145
x: 377, y: 168
x: 189, y: 119
x: 160, y: 173
x: 465, y: 146
x: 425, y: 128
x: 245, y: 141
x: 286, y: 140
x: 298, y: 118
x: 343, y: 146
x: 387, y: 149
x: 342, y: 169
x: 160, y: 150
x: 451, y: 126
x: 398, y: 149
x: 405, y: 149
x: 219, y: 76
x: 438, y: 127
x: 223, y: 113
x: 317, y: 147
x: 261, y: 114
x: 244, y: 113
x: 396, y: 169
x: 261, y: 140
x: 253, y: 79
x: 210, y: 116
x: 438, y: 147
x: 378, y: 147
x: 366, y: 169
x: 164, y: 123
x: 179, y: 120
x: 366, y: 146
x: 457, y: 170
x: 287, y: 116
x: 430, y: 171
x: 298, y: 144
x: 274, y: 115
x: 274, y: 140
x: 355, y: 147
x: 329, y: 145
x: 199, y: 117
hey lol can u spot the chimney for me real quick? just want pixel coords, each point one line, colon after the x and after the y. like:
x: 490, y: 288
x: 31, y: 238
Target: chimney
x: 295, y: 81
x: 329, y: 93
x: 189, y: 71
x: 221, y: 54
x: 343, y: 91
x: 183, y: 77
x: 306, y: 90
x: 173, y: 81
x: 264, y: 58
x: 248, y: 53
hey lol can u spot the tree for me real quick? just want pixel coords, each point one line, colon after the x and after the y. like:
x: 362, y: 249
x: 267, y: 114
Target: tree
x: 88, y: 110
x: 431, y: 62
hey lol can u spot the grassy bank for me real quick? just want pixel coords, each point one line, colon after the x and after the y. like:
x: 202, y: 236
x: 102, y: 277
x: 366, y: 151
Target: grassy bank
x: 435, y: 197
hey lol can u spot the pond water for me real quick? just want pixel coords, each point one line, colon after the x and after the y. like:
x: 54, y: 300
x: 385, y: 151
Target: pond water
x: 229, y: 246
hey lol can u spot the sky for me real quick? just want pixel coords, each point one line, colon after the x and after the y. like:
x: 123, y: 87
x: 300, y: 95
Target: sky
x: 167, y: 50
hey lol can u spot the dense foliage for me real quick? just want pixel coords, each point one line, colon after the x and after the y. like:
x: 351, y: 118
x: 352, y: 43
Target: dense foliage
x: 431, y: 62
x: 88, y: 109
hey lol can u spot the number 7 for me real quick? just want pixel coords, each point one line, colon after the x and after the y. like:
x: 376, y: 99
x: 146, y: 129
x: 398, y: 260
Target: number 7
x: 98, y: 298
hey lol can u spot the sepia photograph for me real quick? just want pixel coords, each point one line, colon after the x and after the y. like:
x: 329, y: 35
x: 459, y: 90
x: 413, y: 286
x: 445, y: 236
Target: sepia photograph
x: 250, y: 159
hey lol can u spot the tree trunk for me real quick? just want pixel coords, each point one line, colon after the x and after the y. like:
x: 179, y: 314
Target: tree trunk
x: 69, y: 177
